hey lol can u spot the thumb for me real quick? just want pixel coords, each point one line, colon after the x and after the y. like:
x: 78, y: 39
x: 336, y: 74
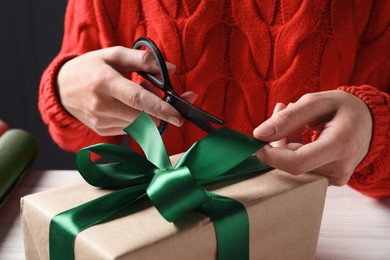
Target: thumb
x: 127, y: 59
x: 189, y: 96
x: 282, y: 142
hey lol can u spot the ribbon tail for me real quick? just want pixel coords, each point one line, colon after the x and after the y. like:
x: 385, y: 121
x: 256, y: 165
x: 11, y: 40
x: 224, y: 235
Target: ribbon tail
x: 231, y: 224
x: 65, y: 226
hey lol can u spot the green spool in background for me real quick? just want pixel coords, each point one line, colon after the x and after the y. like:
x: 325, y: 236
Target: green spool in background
x: 18, y: 149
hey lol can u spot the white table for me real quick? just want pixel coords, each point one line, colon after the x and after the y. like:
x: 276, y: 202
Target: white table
x: 353, y: 226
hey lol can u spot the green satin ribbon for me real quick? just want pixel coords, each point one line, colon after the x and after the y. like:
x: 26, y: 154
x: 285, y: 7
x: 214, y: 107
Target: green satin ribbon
x: 223, y: 154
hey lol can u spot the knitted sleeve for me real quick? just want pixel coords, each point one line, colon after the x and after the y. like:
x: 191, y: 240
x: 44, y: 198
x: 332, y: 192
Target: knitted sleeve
x: 87, y: 27
x: 372, y: 175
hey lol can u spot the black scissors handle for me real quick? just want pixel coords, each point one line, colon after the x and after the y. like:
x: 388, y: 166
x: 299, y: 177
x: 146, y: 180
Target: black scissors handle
x: 162, y: 83
x: 196, y: 115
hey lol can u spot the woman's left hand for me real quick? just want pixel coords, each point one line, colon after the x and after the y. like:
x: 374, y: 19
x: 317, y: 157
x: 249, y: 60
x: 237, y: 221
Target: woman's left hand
x: 344, y: 124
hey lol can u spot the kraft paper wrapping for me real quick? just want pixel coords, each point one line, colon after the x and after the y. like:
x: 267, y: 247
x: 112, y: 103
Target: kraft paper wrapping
x: 284, y: 211
x: 18, y: 149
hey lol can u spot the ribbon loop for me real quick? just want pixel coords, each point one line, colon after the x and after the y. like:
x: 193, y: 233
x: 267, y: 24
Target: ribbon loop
x: 129, y: 168
x: 144, y: 131
x: 175, y: 192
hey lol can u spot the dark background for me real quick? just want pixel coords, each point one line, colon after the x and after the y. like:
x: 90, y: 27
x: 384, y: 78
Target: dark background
x: 31, y: 35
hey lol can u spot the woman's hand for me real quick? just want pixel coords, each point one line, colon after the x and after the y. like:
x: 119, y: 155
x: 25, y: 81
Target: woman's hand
x: 92, y: 88
x: 3, y: 127
x: 344, y: 124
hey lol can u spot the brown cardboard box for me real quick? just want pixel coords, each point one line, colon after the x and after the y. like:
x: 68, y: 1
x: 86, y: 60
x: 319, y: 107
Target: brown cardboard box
x: 284, y: 212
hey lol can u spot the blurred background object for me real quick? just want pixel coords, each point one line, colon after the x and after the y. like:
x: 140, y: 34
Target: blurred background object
x: 18, y: 150
x: 31, y: 35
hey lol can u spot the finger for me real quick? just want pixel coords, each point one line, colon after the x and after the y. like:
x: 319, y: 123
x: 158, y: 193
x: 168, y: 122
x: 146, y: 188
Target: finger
x: 3, y: 127
x: 100, y: 122
x: 296, y: 136
x: 337, y: 178
x: 304, y: 159
x: 306, y: 111
x: 136, y: 97
x: 189, y: 96
x: 281, y: 142
x: 126, y: 59
x: 109, y: 126
x: 123, y: 114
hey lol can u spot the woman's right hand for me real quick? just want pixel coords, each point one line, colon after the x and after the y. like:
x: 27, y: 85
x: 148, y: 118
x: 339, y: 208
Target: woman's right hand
x: 92, y: 88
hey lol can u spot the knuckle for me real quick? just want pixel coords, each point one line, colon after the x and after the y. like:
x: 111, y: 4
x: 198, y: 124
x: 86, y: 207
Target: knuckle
x: 99, y: 80
x: 159, y: 109
x: 286, y: 117
x: 134, y: 98
x: 94, y: 86
x: 95, y: 105
x: 144, y: 58
x: 140, y: 99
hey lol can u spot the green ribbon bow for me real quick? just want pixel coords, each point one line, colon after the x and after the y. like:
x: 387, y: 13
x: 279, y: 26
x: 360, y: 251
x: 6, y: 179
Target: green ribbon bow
x: 223, y: 154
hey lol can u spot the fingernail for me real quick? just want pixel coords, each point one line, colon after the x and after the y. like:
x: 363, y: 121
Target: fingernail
x: 171, y: 67
x: 264, y: 130
x: 175, y: 121
x: 278, y: 107
x: 193, y: 98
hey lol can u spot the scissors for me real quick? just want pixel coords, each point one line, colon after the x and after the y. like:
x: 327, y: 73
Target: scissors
x: 194, y: 114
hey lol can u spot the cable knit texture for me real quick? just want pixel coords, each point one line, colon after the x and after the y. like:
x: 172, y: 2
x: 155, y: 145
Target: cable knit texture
x: 242, y: 57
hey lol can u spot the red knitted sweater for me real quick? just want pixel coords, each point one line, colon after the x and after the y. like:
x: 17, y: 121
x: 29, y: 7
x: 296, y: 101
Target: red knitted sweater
x: 241, y: 57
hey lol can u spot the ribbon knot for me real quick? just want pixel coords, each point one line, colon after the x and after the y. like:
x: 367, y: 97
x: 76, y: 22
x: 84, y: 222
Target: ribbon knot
x: 173, y: 190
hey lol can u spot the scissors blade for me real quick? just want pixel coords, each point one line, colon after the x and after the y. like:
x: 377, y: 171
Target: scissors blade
x: 192, y: 112
x: 205, y: 126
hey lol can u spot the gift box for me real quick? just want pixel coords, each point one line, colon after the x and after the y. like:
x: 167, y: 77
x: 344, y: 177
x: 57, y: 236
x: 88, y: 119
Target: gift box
x: 284, y: 213
x: 216, y: 202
